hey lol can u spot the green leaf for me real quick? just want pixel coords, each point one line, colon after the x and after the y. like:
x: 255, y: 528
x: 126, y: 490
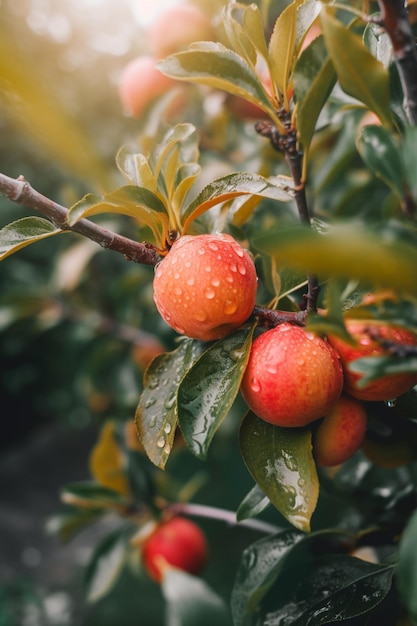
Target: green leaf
x: 239, y: 37
x: 281, y: 46
x: 374, y: 367
x: 209, y: 388
x: 258, y: 569
x: 234, y: 185
x: 106, y: 565
x: 349, y: 250
x: 191, y: 601
x: 252, y: 504
x: 360, y: 74
x: 281, y: 461
x: 407, y: 567
x: 92, y: 495
x: 328, y: 588
x: 136, y: 169
x: 218, y: 67
x: 156, y: 415
x: 410, y: 158
x: 314, y: 79
x: 381, y: 154
x: 23, y: 232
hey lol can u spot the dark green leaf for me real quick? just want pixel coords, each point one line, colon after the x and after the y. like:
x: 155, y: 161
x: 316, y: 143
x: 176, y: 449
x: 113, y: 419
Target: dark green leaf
x: 314, y: 79
x: 234, y: 185
x: 407, y: 567
x: 208, y: 390
x: 258, y: 570
x: 190, y: 601
x: 19, y: 234
x: 348, y: 250
x: 381, y: 154
x: 156, y: 416
x: 410, y: 158
x: 360, y: 74
x: 91, y: 495
x: 327, y: 589
x: 253, y: 503
x: 281, y: 462
x: 106, y: 565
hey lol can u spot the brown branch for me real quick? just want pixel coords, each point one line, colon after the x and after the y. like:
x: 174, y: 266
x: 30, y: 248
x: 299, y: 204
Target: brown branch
x: 395, y: 21
x: 20, y: 191
x: 269, y: 318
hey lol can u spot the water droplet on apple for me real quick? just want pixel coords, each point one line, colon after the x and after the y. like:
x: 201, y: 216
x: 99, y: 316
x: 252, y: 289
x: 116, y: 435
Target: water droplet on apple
x: 241, y: 269
x: 272, y: 369
x: 230, y: 307
x: 207, y: 268
x: 209, y: 293
x: 229, y: 278
x: 178, y: 291
x: 239, y: 252
x: 213, y: 246
x: 255, y: 385
x: 191, y: 281
x: 201, y: 316
x: 233, y: 267
x: 201, y: 251
x: 215, y: 282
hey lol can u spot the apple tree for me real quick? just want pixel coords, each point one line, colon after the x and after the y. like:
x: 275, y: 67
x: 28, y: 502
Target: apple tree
x: 268, y: 319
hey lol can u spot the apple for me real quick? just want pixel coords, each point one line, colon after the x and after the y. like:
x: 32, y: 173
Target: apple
x: 367, y: 334
x: 177, y: 542
x: 140, y: 84
x: 176, y: 28
x: 206, y: 286
x: 341, y: 433
x: 293, y: 377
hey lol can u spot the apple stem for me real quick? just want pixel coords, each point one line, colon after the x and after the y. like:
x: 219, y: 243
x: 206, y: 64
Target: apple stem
x: 210, y: 512
x: 20, y: 191
x: 395, y: 21
x: 288, y: 145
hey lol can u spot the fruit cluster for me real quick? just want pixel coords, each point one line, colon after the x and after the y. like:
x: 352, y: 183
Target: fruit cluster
x: 205, y: 288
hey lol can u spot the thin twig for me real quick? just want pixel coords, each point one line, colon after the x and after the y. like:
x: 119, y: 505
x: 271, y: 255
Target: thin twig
x: 20, y: 191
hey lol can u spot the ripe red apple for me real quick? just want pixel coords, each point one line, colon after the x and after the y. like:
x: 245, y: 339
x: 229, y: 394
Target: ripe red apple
x: 178, y: 542
x: 366, y: 334
x: 140, y: 83
x: 206, y: 286
x: 293, y: 377
x: 176, y: 28
x: 341, y: 433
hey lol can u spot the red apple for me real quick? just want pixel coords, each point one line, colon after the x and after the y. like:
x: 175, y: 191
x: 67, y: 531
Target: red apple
x: 177, y: 542
x: 176, y: 28
x: 206, y: 286
x: 367, y: 335
x: 341, y: 433
x: 293, y: 377
x: 140, y: 84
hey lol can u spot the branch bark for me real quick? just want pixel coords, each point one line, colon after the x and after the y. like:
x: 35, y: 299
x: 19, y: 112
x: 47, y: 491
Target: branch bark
x: 20, y: 191
x: 394, y: 20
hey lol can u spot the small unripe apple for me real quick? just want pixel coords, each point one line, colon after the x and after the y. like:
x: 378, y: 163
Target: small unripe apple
x: 367, y: 335
x: 176, y: 28
x: 140, y: 84
x: 293, y: 377
x: 341, y: 433
x: 177, y: 542
x: 205, y: 287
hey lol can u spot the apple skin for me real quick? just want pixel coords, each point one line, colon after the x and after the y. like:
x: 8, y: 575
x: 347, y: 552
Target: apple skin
x: 176, y: 28
x: 178, y: 542
x: 341, y: 433
x: 206, y: 286
x: 140, y: 83
x: 363, y: 331
x: 293, y: 377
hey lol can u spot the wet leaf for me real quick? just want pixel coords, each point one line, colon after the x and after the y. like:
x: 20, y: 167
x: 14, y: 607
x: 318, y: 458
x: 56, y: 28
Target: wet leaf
x: 107, y: 463
x: 23, y: 232
x: 253, y: 503
x: 234, y: 185
x: 360, y: 74
x: 156, y: 416
x: 381, y: 154
x: 407, y: 567
x: 349, y: 250
x: 258, y: 569
x: 281, y: 461
x: 209, y: 388
x: 106, y: 565
x: 191, y: 601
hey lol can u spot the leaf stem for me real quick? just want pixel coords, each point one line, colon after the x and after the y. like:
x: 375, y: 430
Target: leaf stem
x: 20, y: 191
x: 394, y: 20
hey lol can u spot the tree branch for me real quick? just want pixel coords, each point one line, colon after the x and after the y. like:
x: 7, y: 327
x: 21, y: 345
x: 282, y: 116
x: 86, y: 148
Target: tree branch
x: 20, y: 191
x: 394, y: 20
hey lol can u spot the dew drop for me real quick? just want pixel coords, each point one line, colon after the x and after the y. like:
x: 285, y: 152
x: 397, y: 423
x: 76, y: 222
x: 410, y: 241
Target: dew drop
x: 161, y: 442
x: 255, y: 385
x: 169, y: 402
x: 191, y: 281
x: 167, y: 449
x: 207, y: 268
x: 213, y: 246
x: 201, y: 316
x: 178, y: 291
x: 167, y: 428
x: 201, y: 251
x: 229, y: 278
x: 272, y: 369
x: 391, y: 403
x: 150, y: 402
x: 209, y: 293
x: 233, y: 267
x: 215, y: 282
x: 152, y: 422
x: 230, y: 307
x: 153, y: 384
x: 187, y: 264
x: 239, y: 252
x: 241, y: 269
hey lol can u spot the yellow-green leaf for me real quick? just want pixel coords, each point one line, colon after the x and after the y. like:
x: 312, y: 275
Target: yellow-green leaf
x: 21, y: 233
x: 107, y: 461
